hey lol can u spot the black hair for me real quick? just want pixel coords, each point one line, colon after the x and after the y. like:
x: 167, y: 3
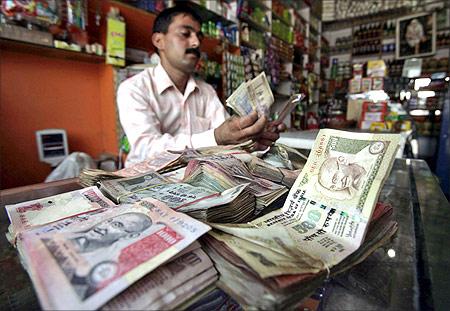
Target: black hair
x: 164, y: 18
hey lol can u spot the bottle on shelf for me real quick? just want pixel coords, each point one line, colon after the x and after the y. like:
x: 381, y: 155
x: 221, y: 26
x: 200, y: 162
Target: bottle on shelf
x: 357, y: 33
x: 391, y: 29
x: 334, y: 68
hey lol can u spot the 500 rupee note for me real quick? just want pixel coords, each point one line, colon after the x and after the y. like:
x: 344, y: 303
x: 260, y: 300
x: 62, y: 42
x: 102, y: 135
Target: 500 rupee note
x: 333, y: 198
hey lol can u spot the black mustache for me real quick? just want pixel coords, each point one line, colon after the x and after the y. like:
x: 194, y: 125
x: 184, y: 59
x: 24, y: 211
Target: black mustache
x: 195, y: 51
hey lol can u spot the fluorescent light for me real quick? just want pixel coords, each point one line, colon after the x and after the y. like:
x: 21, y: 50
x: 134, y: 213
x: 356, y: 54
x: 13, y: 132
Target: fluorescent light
x: 425, y: 94
x: 421, y: 82
x: 437, y: 113
x: 447, y: 79
x: 419, y: 113
x: 357, y: 96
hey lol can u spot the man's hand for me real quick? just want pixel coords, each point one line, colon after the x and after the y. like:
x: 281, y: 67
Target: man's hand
x: 269, y: 135
x: 240, y: 129
x: 236, y: 130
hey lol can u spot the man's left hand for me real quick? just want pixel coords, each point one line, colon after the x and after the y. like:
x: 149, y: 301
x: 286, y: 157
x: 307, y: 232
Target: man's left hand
x: 270, y: 135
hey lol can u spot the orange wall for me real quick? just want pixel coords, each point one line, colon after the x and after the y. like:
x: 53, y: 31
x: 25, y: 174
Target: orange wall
x: 37, y: 92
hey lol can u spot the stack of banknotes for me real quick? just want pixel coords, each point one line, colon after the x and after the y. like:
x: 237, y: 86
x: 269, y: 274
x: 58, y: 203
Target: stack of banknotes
x: 225, y: 171
x: 232, y: 204
x: 130, y: 242
x: 290, y: 285
x: 163, y: 162
x: 81, y: 250
x: 327, y: 224
x: 178, y: 282
x: 256, y: 95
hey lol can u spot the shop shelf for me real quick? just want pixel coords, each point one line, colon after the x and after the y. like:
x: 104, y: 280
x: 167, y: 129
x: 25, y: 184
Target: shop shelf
x: 253, y: 24
x: 340, y: 52
x: 207, y: 15
x: 366, y: 55
x: 367, y: 39
x: 280, y: 38
x: 278, y: 17
x: 260, y: 4
x: 47, y: 51
x: 249, y: 45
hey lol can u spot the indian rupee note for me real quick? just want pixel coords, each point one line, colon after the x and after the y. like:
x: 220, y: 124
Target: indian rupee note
x: 82, y: 262
x: 27, y: 215
x: 254, y: 95
x: 333, y: 198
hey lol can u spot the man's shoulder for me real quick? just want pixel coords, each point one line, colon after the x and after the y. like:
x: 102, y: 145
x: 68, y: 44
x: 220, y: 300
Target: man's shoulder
x: 139, y: 80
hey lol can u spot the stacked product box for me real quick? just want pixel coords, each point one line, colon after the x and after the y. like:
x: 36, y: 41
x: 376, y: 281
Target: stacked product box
x: 234, y: 75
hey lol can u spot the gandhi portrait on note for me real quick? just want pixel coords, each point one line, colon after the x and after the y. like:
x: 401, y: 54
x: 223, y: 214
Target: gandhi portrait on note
x: 337, y: 174
x: 344, y: 175
x: 109, y: 231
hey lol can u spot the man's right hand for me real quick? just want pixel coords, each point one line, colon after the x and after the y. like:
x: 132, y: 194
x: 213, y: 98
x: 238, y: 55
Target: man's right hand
x: 236, y: 130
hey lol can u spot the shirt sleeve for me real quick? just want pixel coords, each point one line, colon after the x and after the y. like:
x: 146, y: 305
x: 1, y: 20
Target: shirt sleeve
x: 143, y: 128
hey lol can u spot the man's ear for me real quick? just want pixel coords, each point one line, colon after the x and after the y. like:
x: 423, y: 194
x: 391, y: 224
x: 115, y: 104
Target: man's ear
x: 157, y: 40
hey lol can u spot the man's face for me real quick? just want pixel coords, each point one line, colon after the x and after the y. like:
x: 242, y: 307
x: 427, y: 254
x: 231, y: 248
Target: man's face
x: 180, y: 46
x: 115, y: 228
x: 336, y: 174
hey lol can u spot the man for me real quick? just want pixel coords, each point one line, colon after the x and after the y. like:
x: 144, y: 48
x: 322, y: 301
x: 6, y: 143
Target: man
x: 165, y: 108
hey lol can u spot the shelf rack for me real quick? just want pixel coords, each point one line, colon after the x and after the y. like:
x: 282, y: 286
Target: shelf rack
x: 48, y: 51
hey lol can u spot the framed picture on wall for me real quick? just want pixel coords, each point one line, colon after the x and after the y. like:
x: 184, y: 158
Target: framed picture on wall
x: 416, y: 35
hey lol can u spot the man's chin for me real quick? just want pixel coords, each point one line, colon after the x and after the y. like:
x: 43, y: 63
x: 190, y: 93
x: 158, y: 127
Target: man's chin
x: 189, y: 68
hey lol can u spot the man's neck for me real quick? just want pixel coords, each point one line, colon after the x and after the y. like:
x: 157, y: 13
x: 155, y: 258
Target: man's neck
x: 178, y: 77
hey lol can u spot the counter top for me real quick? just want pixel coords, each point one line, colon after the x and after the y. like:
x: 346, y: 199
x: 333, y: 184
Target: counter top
x: 298, y: 139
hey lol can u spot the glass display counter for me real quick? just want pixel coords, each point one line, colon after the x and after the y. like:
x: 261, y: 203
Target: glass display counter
x: 412, y: 271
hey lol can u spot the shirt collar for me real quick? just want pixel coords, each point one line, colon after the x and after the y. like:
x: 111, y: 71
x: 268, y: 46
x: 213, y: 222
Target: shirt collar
x: 164, y: 81
x: 191, y: 86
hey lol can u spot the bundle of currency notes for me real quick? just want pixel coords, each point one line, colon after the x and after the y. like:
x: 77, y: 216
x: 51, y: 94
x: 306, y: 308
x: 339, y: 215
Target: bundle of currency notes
x: 32, y: 214
x: 91, y: 177
x: 162, y: 162
x: 233, y: 204
x: 265, y: 170
x: 224, y: 171
x: 259, y: 277
x: 253, y: 95
x: 280, y: 155
x: 325, y: 217
x: 170, y: 285
x: 81, y: 262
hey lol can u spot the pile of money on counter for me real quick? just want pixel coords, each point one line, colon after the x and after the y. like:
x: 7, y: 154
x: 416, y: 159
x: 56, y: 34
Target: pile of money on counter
x: 182, y: 229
